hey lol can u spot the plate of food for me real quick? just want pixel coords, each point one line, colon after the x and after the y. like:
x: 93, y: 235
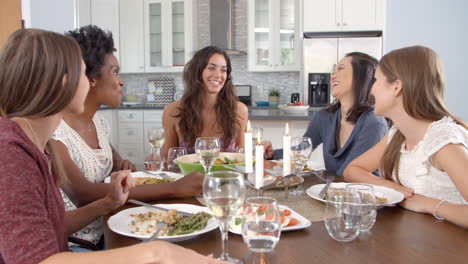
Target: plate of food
x: 140, y: 222
x: 290, y: 220
x: 384, y: 196
x: 190, y: 163
x: 142, y: 177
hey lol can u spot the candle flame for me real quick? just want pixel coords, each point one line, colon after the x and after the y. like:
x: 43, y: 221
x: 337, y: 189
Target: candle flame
x: 259, y: 140
x: 248, y: 126
x: 286, y: 130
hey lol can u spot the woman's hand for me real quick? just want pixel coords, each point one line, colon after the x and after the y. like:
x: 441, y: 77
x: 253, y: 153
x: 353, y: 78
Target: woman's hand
x: 189, y: 185
x: 420, y: 204
x: 124, y: 165
x: 268, y: 154
x: 121, y: 183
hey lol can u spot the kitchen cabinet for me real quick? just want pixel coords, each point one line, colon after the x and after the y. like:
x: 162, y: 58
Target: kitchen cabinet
x: 343, y: 15
x: 132, y: 57
x: 273, y: 33
x: 102, y: 13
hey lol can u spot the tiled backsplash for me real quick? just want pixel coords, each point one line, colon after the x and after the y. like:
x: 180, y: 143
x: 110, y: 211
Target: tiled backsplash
x: 286, y: 82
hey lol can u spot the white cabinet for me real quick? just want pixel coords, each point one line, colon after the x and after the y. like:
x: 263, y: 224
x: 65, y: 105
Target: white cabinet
x: 167, y: 34
x: 102, y: 13
x: 273, y: 30
x: 343, y: 15
x: 132, y: 57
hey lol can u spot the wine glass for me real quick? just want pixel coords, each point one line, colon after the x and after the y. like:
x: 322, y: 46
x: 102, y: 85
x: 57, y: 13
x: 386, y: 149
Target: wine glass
x: 154, y: 160
x: 301, y: 148
x: 368, y: 207
x: 157, y: 136
x: 343, y: 215
x: 261, y: 228
x: 224, y: 193
x: 172, y: 155
x: 207, y: 149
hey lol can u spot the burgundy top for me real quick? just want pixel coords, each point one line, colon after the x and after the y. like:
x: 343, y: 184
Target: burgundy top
x: 32, y: 215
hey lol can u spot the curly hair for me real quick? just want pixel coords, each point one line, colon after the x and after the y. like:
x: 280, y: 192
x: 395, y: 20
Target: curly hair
x: 95, y: 43
x: 191, y: 124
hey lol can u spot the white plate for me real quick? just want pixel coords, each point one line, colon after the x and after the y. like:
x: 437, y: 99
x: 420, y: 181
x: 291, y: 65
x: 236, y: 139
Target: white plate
x: 392, y: 196
x: 139, y: 174
x: 120, y: 222
x: 293, y: 108
x: 303, y: 222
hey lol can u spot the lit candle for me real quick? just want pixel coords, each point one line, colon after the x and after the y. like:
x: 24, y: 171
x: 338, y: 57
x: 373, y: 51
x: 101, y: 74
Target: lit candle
x: 259, y: 163
x: 286, y: 151
x: 248, y: 149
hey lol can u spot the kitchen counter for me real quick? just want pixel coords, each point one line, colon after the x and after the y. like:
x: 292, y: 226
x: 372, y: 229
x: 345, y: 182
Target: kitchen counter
x: 255, y: 113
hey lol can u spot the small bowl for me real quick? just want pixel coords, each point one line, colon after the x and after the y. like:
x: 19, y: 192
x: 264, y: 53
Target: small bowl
x: 190, y: 163
x: 293, y: 109
x: 262, y: 103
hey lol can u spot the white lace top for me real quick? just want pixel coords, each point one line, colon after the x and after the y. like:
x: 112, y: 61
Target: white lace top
x: 95, y: 164
x: 416, y: 170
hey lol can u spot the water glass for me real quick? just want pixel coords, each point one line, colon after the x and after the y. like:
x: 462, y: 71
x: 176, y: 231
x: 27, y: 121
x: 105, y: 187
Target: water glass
x: 368, y: 207
x: 343, y: 215
x: 261, y: 224
x: 224, y: 193
x: 154, y: 160
x: 157, y: 136
x: 208, y: 149
x: 172, y: 155
x: 301, y: 148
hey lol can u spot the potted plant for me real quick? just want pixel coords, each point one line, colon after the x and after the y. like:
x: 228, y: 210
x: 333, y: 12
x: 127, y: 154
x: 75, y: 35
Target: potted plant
x: 273, y: 97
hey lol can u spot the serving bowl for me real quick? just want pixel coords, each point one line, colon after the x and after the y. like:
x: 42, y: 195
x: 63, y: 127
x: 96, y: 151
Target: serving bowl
x: 293, y: 109
x: 190, y: 163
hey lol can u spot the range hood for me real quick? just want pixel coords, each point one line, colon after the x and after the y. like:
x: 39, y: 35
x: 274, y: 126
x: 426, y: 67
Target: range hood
x: 221, y: 26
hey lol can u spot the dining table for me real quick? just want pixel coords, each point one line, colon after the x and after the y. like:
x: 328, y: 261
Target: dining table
x: 398, y: 236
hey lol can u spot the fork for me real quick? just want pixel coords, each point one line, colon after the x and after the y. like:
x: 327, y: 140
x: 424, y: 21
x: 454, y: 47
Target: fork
x: 159, y: 227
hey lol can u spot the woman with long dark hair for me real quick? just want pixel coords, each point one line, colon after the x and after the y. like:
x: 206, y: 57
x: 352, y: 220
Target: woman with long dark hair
x: 209, y: 106
x: 425, y: 154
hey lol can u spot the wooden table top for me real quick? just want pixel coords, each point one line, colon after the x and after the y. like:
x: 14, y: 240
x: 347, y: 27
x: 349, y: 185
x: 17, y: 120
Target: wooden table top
x: 398, y: 236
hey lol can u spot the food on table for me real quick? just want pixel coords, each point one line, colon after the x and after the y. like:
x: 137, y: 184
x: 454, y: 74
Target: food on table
x: 145, y: 223
x: 151, y: 180
x: 285, y: 214
x: 379, y: 199
x: 226, y: 160
x: 296, y: 104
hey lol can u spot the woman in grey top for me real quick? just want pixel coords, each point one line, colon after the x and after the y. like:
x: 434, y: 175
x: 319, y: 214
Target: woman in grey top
x: 348, y: 127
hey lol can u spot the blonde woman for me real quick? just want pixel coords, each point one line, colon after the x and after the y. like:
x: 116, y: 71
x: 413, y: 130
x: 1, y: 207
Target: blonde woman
x: 43, y: 76
x: 425, y: 153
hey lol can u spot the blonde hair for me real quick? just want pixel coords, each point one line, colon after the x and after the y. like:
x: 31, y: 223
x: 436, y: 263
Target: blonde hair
x: 420, y: 70
x: 33, y: 64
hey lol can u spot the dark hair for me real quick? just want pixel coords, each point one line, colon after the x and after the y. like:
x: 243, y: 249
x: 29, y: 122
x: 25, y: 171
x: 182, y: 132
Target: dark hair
x: 191, y: 124
x: 95, y: 44
x: 364, y: 67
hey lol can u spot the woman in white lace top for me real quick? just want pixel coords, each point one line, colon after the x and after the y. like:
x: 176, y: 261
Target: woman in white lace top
x: 425, y: 153
x: 82, y: 140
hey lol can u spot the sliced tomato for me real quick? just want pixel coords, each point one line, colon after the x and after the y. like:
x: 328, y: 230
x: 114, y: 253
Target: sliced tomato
x: 282, y: 218
x: 293, y: 222
x: 287, y: 212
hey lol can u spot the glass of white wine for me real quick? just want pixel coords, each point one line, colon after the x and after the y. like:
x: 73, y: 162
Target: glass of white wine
x: 301, y: 148
x: 208, y: 149
x: 157, y: 136
x: 224, y: 193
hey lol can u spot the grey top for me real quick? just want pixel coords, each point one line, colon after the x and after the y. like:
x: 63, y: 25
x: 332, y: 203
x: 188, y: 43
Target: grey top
x: 324, y: 128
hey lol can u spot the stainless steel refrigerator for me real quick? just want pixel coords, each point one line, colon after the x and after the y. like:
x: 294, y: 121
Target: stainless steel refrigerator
x: 321, y: 52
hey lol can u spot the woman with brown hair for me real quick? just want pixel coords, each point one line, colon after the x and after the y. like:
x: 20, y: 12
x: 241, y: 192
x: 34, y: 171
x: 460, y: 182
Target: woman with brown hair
x: 209, y: 107
x: 348, y: 127
x: 42, y: 76
x: 424, y: 155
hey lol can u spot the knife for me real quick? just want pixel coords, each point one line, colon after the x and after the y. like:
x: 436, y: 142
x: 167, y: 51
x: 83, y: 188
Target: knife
x: 323, y: 192
x: 132, y: 201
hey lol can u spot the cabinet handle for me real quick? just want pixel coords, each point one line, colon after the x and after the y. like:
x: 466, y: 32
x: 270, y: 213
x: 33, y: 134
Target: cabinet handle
x: 130, y: 133
x: 338, y: 23
x: 130, y: 116
x: 345, y: 24
x: 131, y: 154
x: 141, y: 67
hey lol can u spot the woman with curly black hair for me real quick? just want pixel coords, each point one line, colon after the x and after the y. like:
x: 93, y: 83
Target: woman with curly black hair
x: 82, y: 140
x: 209, y: 107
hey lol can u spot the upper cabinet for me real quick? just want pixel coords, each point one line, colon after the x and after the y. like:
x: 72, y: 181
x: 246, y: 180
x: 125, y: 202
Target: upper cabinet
x: 343, y: 15
x: 274, y: 44
x: 151, y: 35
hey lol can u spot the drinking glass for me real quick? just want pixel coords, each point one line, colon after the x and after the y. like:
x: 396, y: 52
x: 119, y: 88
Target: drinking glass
x: 368, y: 207
x: 207, y: 149
x: 301, y: 148
x: 239, y: 149
x: 224, y: 193
x: 261, y: 225
x: 154, y: 161
x: 256, y: 131
x: 157, y: 136
x: 172, y: 155
x: 343, y: 215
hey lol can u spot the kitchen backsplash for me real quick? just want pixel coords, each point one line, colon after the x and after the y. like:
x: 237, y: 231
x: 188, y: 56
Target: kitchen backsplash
x: 286, y: 82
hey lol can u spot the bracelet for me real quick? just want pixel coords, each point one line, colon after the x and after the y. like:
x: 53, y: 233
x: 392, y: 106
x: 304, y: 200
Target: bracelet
x: 437, y: 209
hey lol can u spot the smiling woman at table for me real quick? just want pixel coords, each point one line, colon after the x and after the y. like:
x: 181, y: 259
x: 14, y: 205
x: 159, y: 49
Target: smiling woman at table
x: 425, y: 154
x: 209, y: 107
x: 42, y: 76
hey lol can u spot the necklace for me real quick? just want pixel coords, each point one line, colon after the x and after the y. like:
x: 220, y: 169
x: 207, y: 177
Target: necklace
x: 32, y: 130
